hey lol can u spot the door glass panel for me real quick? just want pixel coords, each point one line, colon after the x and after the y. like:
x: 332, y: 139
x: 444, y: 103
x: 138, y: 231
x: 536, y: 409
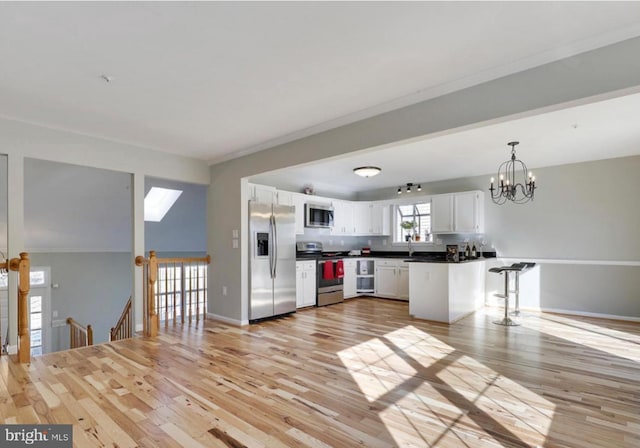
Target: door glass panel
x: 37, y: 278
x: 36, y: 304
x: 35, y: 323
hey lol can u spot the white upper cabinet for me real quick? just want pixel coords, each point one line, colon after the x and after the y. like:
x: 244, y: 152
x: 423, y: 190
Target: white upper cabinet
x: 468, y: 212
x: 262, y: 193
x: 298, y: 201
x: 361, y: 218
x: 284, y: 197
x: 458, y: 212
x: 380, y: 219
x: 442, y: 213
x: 342, y: 218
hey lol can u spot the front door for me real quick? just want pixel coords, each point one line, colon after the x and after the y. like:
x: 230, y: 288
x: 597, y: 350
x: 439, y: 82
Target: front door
x: 40, y: 310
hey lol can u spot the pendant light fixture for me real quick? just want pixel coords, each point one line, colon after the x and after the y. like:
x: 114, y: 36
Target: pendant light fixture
x: 367, y: 171
x: 515, y: 183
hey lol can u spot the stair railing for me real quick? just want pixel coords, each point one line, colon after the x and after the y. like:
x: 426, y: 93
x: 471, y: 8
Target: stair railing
x: 124, y: 327
x: 173, y: 288
x: 79, y: 336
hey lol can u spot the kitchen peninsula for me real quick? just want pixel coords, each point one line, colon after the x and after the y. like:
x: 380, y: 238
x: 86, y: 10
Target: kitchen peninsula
x: 446, y: 292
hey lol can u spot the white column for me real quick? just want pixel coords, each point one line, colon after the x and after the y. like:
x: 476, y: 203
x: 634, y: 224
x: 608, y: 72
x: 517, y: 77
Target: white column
x: 137, y: 203
x: 15, y: 235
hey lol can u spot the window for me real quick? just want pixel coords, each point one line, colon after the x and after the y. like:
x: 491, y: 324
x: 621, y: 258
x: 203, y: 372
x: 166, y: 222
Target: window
x: 420, y: 214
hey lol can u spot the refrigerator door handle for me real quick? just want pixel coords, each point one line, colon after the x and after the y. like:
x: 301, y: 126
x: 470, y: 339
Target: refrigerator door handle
x: 275, y: 246
x: 271, y: 246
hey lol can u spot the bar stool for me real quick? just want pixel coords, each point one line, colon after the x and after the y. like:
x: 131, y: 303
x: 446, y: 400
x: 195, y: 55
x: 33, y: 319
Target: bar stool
x: 517, y: 269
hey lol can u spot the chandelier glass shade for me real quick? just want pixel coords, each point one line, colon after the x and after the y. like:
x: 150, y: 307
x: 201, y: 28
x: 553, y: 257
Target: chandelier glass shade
x: 367, y: 171
x: 515, y: 182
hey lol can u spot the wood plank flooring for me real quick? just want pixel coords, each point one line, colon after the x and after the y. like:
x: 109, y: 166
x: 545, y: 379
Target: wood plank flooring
x: 361, y: 373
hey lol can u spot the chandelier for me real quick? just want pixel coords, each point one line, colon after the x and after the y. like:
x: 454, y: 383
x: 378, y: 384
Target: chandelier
x: 508, y: 188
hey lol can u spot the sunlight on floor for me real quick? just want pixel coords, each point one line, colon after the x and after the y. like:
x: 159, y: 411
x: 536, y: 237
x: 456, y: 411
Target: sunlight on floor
x: 378, y: 369
x: 433, y: 395
x: 499, y: 397
x: 597, y: 337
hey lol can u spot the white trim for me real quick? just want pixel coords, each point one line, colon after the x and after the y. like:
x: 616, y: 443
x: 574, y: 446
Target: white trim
x: 561, y: 261
x: 574, y: 313
x: 139, y: 328
x: 227, y: 320
x: 587, y: 314
x: 12, y: 349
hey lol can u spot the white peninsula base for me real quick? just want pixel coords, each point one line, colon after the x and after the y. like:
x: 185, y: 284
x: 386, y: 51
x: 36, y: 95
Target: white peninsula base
x: 446, y: 292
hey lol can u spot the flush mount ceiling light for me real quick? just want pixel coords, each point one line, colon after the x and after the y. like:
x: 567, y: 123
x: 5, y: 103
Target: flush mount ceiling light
x: 367, y: 171
x: 409, y: 186
x: 509, y: 188
x: 158, y: 202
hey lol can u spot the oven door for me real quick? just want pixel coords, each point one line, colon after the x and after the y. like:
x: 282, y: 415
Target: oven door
x: 330, y: 290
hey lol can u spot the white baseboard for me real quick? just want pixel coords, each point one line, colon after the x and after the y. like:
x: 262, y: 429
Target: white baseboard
x: 139, y: 327
x: 587, y: 314
x: 227, y: 320
x: 567, y: 312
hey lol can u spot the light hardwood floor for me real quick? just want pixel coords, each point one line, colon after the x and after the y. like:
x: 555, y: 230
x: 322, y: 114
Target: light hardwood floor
x: 361, y: 373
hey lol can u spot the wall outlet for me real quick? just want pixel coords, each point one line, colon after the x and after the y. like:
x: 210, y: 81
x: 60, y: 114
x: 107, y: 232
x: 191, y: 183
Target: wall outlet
x: 54, y: 314
x: 369, y: 243
x: 342, y: 242
x: 234, y: 233
x: 384, y: 242
x: 234, y: 243
x: 224, y: 290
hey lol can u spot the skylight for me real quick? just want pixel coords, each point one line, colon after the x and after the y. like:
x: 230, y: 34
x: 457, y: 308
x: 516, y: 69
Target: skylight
x: 158, y: 202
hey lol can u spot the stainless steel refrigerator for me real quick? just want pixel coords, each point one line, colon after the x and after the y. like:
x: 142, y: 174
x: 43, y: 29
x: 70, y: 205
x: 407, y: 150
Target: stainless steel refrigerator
x: 272, y: 260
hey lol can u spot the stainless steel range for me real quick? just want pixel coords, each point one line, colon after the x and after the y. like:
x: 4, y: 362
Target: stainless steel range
x: 329, y: 275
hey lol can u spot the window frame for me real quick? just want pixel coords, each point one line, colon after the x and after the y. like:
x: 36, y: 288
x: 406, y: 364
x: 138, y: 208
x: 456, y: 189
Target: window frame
x: 413, y: 200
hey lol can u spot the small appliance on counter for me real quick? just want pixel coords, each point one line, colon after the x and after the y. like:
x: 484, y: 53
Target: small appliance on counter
x: 366, y: 251
x: 452, y: 253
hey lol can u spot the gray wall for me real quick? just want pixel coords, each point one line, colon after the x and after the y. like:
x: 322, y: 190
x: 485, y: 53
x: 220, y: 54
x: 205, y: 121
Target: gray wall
x: 589, y: 74
x: 582, y: 228
x: 184, y: 227
x: 582, y: 211
x: 93, y: 289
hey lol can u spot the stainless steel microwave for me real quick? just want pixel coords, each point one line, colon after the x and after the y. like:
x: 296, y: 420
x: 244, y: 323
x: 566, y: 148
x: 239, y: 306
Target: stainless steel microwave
x: 318, y: 215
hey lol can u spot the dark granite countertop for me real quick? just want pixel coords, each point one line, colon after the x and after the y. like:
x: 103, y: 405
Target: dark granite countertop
x: 418, y: 257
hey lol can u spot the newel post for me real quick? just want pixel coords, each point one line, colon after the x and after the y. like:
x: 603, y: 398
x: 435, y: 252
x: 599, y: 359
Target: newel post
x: 22, y: 266
x: 154, y: 323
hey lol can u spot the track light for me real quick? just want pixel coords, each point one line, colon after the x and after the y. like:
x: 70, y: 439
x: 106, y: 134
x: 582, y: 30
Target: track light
x: 409, y: 186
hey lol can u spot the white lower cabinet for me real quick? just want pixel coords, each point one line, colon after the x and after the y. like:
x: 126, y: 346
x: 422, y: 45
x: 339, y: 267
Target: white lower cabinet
x: 350, y: 278
x: 392, y: 279
x: 305, y: 283
x: 403, y: 280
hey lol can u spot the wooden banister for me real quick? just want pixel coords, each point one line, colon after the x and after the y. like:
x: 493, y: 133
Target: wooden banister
x: 79, y: 336
x: 22, y: 266
x: 181, y: 288
x: 124, y: 327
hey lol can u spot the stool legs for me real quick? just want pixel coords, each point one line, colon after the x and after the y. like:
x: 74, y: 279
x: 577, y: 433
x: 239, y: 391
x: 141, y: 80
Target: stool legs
x: 516, y: 312
x: 506, y: 320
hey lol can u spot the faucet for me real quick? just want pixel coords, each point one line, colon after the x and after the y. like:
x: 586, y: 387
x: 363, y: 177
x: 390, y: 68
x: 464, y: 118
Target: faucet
x: 409, y: 241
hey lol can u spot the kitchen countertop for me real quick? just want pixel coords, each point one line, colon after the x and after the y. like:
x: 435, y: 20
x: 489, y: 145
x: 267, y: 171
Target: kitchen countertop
x: 418, y: 257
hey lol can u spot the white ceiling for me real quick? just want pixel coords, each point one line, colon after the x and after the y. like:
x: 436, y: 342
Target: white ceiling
x: 215, y: 79
x: 595, y: 131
